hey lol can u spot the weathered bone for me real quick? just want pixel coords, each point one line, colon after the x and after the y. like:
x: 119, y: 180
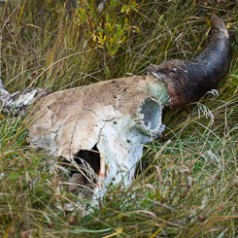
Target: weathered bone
x: 112, y: 116
x: 106, y: 124
x: 19, y: 102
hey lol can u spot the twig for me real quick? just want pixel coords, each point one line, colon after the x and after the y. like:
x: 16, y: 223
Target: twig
x: 3, y: 91
x: 17, y: 102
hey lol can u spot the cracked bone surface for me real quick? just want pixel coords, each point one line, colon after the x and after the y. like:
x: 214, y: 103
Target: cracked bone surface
x: 104, y: 126
x: 115, y: 118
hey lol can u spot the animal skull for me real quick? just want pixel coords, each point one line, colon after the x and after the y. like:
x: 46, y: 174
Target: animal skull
x: 101, y: 128
x: 112, y: 117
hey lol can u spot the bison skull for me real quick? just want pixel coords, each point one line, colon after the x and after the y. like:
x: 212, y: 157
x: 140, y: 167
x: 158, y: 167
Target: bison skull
x: 115, y: 118
x: 103, y: 127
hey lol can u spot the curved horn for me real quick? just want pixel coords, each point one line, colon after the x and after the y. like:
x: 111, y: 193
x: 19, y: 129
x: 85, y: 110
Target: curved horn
x: 187, y: 81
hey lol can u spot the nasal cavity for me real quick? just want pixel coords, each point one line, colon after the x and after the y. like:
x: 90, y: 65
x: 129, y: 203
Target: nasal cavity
x: 151, y: 113
x: 92, y: 157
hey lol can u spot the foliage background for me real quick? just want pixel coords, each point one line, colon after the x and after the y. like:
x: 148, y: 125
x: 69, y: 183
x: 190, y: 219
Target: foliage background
x: 187, y: 182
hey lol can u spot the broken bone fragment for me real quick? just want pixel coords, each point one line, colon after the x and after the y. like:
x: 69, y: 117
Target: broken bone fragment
x: 116, y: 118
x: 19, y: 102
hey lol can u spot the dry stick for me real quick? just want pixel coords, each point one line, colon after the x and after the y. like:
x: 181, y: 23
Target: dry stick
x: 19, y: 101
x: 5, y: 96
x: 9, y: 102
x: 3, y: 91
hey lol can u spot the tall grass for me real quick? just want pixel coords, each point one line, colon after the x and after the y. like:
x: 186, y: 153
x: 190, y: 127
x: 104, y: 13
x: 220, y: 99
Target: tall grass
x: 187, y: 182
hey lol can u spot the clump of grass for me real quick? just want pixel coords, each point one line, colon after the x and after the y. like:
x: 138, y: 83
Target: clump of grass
x: 186, y: 184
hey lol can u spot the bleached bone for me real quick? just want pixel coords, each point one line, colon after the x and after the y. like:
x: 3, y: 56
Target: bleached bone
x: 19, y: 102
x: 113, y: 117
x: 106, y: 124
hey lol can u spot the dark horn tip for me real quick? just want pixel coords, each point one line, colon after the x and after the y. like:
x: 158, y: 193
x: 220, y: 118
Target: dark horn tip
x: 187, y: 81
x: 217, y: 22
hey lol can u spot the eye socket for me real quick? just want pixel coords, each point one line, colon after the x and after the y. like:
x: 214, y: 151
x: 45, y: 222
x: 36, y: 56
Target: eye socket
x: 151, y: 113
